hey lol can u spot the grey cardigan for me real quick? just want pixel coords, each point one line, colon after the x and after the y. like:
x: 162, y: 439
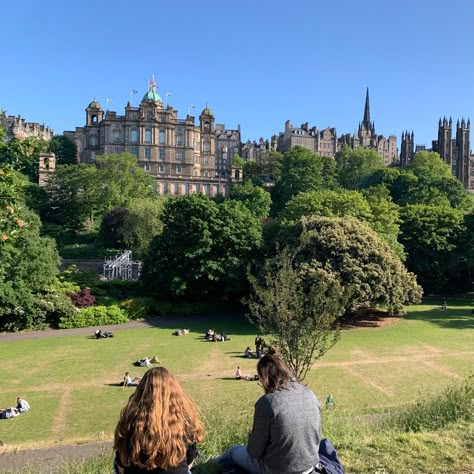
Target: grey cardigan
x: 286, y: 430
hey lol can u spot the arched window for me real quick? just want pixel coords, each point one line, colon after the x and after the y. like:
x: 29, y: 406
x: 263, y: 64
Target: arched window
x: 94, y: 119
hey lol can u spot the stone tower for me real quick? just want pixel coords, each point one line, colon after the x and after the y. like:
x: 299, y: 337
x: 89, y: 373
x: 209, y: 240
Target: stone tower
x: 407, y: 149
x: 445, y: 143
x: 463, y: 152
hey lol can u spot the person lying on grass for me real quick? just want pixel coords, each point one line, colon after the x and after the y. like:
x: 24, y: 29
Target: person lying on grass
x: 158, y: 429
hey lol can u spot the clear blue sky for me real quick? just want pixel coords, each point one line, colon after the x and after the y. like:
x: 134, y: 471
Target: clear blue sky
x: 256, y: 63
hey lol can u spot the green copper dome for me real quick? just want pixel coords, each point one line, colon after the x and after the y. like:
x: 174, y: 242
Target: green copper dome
x: 152, y: 94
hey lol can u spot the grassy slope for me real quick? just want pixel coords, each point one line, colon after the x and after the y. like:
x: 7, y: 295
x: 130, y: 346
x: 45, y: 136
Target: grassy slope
x: 69, y: 383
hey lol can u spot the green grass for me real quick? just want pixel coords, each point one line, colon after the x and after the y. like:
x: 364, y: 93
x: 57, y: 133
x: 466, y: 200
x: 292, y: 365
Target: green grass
x: 70, y: 384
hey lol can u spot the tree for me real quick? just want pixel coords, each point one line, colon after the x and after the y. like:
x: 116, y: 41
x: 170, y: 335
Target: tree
x: 112, y: 226
x: 298, y: 309
x: 142, y: 223
x: 266, y: 170
x: 355, y: 166
x: 22, y: 155
x: 120, y: 179
x: 64, y: 149
x: 362, y: 261
x: 72, y: 196
x: 374, y: 207
x: 429, y: 165
x: 204, y: 248
x: 430, y: 235
x: 254, y: 198
x: 302, y: 171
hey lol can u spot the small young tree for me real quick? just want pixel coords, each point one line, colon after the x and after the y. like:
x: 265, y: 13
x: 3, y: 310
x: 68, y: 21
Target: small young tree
x: 298, y: 309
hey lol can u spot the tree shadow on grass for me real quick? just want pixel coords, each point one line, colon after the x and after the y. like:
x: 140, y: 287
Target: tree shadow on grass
x: 461, y: 318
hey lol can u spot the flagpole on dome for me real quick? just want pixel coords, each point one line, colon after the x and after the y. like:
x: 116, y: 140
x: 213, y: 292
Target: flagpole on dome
x: 191, y: 106
x: 167, y: 94
x: 109, y: 101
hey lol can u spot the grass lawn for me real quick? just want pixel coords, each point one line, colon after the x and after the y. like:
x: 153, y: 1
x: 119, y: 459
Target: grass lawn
x: 71, y: 381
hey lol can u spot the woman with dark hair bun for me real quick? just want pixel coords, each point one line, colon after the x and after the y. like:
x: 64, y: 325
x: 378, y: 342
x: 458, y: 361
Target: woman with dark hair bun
x: 286, y: 427
x: 158, y: 428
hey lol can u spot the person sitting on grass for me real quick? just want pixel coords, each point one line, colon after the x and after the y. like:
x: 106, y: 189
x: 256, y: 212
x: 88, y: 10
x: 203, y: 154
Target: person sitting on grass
x: 22, y: 405
x: 210, y: 334
x: 287, y: 425
x: 158, y: 429
x: 129, y: 382
x: 248, y: 354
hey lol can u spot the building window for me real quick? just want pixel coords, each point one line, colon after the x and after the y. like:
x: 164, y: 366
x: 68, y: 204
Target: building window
x: 116, y: 136
x: 162, y: 137
x: 134, y: 135
x: 179, y: 139
x: 146, y: 166
x: 162, y: 153
x: 206, y: 146
x: 117, y: 125
x: 147, y: 152
x: 117, y: 150
x: 161, y: 168
x: 179, y: 155
x: 92, y: 140
x: 196, y: 145
x: 196, y: 159
x: 206, y: 174
x: 148, y: 136
x: 206, y: 160
x: 92, y: 155
x: 134, y: 150
x: 178, y: 169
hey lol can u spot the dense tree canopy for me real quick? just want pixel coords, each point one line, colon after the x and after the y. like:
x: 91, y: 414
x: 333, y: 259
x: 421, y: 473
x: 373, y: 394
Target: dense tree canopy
x: 355, y: 166
x: 204, y: 247
x: 111, y: 228
x: 64, y: 149
x: 351, y: 251
x: 254, y: 198
x: 430, y: 235
x: 303, y: 171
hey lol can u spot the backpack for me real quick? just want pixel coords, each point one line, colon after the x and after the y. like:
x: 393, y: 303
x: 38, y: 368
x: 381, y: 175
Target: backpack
x: 328, y: 458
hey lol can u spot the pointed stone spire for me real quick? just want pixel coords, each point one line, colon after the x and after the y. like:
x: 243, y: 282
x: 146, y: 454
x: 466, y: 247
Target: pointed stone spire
x: 439, y: 123
x: 450, y: 121
x: 463, y: 123
x: 468, y: 123
x: 366, y: 121
x: 457, y: 124
x: 403, y: 136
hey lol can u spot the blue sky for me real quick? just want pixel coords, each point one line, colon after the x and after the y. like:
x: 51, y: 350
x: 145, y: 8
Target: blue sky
x: 256, y: 63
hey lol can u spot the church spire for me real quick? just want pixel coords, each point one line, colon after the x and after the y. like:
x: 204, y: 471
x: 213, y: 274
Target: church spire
x: 366, y: 122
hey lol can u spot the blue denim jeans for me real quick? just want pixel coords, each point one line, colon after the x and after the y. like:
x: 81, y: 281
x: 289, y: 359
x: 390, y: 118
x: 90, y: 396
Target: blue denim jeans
x: 239, y: 456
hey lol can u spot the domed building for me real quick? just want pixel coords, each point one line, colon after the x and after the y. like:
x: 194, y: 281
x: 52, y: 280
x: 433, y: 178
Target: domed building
x: 178, y: 153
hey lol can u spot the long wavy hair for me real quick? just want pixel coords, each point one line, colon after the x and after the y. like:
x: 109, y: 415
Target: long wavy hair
x: 273, y: 373
x: 157, y: 424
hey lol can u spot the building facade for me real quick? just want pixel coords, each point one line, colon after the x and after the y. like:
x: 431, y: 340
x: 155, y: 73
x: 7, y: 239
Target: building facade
x: 179, y: 154
x: 326, y: 142
x: 228, y: 144
x: 19, y: 128
x: 456, y: 152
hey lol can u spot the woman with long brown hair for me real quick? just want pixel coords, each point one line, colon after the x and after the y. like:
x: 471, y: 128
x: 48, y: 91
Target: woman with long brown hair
x: 158, y: 428
x: 286, y: 427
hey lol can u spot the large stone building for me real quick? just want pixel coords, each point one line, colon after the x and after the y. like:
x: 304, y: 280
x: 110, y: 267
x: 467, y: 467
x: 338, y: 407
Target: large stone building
x: 326, y: 143
x: 455, y: 152
x: 179, y: 154
x: 18, y: 127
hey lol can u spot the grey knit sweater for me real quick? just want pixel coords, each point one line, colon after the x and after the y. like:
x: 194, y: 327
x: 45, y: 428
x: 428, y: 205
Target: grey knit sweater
x: 286, y: 430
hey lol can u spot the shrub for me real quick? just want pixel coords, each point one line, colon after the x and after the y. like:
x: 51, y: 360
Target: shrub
x: 83, y: 299
x: 94, y: 316
x: 454, y: 404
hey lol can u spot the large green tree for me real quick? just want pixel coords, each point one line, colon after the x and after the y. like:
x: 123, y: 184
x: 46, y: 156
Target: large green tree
x: 351, y: 251
x: 142, y: 223
x: 355, y: 166
x: 302, y: 171
x: 255, y: 198
x: 64, y: 149
x: 430, y: 235
x: 204, y: 248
